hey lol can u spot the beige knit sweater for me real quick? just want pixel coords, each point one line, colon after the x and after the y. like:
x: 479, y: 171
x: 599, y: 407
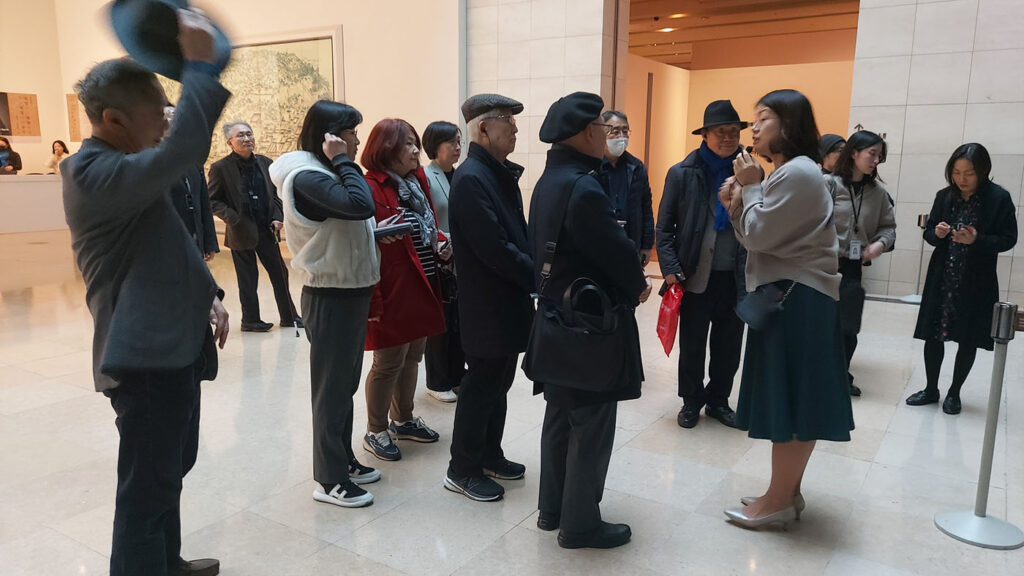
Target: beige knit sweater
x: 786, y: 225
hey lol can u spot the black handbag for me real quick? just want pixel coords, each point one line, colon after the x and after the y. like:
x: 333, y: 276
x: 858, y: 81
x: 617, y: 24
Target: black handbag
x: 758, y: 308
x: 577, y: 341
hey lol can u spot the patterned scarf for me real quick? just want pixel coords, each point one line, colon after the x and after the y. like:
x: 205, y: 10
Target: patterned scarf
x: 718, y: 170
x: 411, y: 195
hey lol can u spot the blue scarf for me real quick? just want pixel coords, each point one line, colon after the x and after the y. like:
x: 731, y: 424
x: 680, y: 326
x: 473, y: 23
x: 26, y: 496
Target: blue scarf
x: 718, y: 170
x: 3, y: 157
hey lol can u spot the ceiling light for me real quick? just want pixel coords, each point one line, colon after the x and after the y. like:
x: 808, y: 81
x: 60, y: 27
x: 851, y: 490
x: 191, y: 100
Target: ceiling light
x: 676, y: 16
x: 666, y: 30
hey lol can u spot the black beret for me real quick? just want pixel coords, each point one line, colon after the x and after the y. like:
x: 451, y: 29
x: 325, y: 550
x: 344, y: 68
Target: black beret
x: 482, y: 103
x: 830, y: 142
x: 569, y: 116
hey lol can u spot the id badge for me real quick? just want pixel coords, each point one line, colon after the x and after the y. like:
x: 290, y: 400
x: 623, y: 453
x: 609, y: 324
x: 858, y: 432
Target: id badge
x: 855, y: 250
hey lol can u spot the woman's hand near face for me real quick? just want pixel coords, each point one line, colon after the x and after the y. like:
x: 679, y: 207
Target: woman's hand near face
x: 746, y: 170
x: 334, y: 146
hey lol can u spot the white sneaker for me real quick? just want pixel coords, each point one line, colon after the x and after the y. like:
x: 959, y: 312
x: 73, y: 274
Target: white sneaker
x: 446, y: 396
x: 346, y: 495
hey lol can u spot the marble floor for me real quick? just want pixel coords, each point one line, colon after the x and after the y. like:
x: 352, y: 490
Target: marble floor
x: 870, y: 502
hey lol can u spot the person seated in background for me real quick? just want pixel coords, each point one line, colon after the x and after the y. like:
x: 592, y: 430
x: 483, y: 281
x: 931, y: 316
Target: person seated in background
x: 60, y: 151
x: 10, y: 161
x: 244, y: 197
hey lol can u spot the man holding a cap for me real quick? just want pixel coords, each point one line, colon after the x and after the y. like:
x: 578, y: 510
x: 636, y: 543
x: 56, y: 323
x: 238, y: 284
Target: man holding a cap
x: 495, y: 282
x: 697, y: 248
x: 570, y: 208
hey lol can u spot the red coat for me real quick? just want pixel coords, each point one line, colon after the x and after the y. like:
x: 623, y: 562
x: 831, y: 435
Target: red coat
x: 404, y: 300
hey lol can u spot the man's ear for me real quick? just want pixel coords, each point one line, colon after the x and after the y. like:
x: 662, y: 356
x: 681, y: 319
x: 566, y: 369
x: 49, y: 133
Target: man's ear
x: 115, y: 117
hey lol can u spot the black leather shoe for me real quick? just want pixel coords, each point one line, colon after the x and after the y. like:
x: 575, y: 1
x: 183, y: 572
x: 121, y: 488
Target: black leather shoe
x: 923, y: 397
x: 951, y: 405
x: 259, y: 326
x: 688, y: 416
x: 854, y: 390
x: 723, y: 414
x: 203, y: 567
x: 296, y: 323
x: 607, y: 535
x: 547, y: 521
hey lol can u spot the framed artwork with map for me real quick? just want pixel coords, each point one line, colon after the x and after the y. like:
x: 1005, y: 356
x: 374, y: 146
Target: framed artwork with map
x: 273, y: 84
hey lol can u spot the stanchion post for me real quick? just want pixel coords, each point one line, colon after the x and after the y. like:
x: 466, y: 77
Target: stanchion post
x: 977, y: 527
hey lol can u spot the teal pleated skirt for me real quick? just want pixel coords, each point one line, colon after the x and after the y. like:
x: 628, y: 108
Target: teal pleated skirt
x: 795, y: 384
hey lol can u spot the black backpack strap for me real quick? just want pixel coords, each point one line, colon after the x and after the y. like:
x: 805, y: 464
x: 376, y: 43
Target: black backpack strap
x: 550, y: 248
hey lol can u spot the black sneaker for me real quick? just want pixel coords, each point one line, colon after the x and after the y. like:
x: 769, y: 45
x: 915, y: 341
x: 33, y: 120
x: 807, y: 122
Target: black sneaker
x: 346, y: 495
x: 505, y: 470
x: 415, y: 430
x: 723, y: 414
x: 258, y: 326
x: 360, y: 474
x: 479, y: 488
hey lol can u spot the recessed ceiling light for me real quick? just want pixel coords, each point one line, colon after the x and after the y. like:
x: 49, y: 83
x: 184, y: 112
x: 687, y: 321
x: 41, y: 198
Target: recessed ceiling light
x: 666, y: 30
x: 676, y: 16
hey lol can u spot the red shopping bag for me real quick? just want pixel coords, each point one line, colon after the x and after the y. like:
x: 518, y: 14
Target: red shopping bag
x: 668, y: 316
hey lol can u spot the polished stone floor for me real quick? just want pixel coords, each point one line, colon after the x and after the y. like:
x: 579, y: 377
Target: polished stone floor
x: 870, y: 502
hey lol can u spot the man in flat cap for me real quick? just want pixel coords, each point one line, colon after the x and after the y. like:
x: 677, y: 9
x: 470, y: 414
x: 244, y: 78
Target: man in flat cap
x: 571, y: 209
x: 495, y: 282
x: 697, y: 248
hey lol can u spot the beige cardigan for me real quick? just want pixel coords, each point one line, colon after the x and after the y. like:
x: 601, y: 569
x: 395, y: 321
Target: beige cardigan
x: 786, y: 225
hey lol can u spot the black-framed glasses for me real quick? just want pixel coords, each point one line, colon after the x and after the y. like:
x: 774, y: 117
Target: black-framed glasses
x: 607, y: 127
x: 352, y: 130
x: 620, y: 132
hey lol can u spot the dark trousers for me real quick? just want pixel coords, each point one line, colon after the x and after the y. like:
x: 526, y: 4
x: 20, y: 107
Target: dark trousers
x: 444, y: 359
x: 269, y: 254
x: 335, y: 322
x: 714, y: 308
x: 158, y: 422
x: 480, y: 414
x: 575, y: 449
x: 851, y: 306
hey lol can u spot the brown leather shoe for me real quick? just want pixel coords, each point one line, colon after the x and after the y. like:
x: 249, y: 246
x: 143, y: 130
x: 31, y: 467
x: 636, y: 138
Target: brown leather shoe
x: 201, y: 567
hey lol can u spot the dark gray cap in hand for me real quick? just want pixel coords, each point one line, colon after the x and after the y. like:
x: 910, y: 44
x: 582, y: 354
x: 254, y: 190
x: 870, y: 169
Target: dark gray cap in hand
x: 482, y: 103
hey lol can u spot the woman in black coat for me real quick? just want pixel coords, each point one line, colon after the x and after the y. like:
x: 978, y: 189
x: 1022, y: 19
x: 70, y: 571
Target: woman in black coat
x: 971, y: 222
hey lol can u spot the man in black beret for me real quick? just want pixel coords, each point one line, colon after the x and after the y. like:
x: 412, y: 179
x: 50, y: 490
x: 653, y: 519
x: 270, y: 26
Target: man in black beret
x: 495, y: 269
x: 570, y: 208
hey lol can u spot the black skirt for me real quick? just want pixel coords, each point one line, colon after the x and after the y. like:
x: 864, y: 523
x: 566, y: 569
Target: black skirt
x: 795, y: 385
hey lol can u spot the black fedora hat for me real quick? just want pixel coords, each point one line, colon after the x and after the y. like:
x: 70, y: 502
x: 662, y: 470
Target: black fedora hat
x: 148, y: 30
x: 720, y: 112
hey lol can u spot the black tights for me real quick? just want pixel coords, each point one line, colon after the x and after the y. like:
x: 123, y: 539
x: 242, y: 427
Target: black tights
x: 934, y: 351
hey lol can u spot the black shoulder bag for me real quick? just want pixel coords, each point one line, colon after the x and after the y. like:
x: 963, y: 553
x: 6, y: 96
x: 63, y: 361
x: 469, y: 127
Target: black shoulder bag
x: 577, y: 341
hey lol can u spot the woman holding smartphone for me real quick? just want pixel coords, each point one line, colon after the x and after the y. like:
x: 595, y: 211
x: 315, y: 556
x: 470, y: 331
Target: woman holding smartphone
x: 972, y: 220
x: 406, y: 306
x: 794, y: 390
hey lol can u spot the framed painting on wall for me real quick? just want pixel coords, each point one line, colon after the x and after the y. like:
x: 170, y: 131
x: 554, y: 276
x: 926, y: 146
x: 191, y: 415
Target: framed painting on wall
x: 273, y: 84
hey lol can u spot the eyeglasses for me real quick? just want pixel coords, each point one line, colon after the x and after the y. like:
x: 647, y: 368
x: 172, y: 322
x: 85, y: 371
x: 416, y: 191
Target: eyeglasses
x: 352, y: 130
x: 607, y: 127
x: 620, y: 132
x: 511, y: 119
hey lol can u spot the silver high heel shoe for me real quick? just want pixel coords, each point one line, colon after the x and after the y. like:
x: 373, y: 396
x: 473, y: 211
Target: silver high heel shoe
x: 798, y: 503
x: 738, y: 516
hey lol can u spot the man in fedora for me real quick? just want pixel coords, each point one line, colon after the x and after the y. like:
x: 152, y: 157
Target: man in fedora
x: 495, y: 270
x: 697, y: 248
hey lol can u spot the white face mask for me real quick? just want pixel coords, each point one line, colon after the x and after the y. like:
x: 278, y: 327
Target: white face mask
x: 616, y: 146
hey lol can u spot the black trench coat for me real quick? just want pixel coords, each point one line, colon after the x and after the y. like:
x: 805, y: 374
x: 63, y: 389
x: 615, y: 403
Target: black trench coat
x: 997, y: 232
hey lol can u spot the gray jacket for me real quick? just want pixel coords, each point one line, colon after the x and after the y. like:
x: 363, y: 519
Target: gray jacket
x: 147, y: 286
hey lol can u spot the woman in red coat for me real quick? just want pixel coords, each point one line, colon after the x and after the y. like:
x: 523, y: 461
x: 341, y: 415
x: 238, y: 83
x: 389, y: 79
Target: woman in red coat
x: 406, y: 307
